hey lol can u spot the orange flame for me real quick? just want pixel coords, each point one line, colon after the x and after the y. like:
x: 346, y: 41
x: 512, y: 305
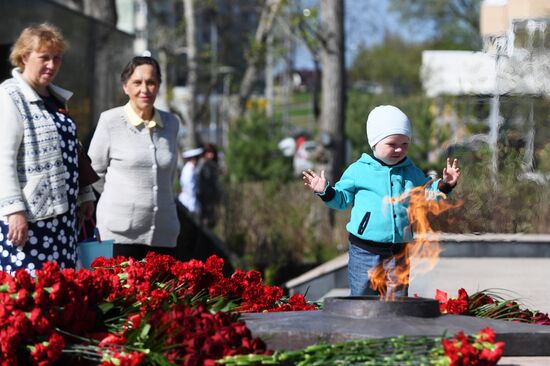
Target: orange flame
x: 425, y: 248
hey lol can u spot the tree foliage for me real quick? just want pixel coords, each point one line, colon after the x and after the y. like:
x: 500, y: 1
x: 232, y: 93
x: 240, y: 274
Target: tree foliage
x: 252, y: 152
x: 516, y: 206
x: 257, y: 52
x: 394, y: 64
x: 455, y: 22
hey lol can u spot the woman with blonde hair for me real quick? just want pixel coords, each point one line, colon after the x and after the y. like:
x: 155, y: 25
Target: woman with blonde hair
x: 40, y: 191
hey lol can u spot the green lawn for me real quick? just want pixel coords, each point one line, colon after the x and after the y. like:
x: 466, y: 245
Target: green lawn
x: 300, y: 112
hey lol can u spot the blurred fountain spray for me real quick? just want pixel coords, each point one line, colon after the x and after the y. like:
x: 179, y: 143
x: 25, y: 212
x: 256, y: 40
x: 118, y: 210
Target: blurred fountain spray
x: 521, y: 69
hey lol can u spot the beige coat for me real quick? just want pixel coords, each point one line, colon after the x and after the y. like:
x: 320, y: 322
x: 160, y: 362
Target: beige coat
x: 137, y: 167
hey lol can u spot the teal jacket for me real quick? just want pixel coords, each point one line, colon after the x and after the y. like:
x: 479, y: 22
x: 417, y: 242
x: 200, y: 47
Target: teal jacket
x: 369, y: 186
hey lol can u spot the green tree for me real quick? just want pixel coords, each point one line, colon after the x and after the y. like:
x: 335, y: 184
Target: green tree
x: 454, y: 22
x: 257, y: 52
x: 394, y: 64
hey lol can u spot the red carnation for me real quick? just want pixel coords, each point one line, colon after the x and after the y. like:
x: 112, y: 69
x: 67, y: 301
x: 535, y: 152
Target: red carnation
x: 46, y: 353
x: 214, y: 264
x: 112, y: 339
x: 489, y: 357
x: 39, y: 321
x: 24, y: 280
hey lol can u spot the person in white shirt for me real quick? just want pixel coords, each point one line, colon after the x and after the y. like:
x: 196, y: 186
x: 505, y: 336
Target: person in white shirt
x: 188, y: 181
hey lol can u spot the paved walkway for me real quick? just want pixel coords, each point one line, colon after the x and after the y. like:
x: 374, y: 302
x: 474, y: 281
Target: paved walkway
x: 524, y: 361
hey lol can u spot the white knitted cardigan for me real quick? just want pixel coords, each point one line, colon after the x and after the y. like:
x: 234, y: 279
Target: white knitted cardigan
x: 36, y: 183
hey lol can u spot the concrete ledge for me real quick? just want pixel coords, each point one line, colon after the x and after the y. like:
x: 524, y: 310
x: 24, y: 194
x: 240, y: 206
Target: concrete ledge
x: 494, y: 245
x: 326, y: 268
x: 494, y: 237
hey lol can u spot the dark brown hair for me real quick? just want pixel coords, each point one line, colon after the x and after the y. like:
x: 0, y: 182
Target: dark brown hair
x: 138, y: 61
x: 212, y: 149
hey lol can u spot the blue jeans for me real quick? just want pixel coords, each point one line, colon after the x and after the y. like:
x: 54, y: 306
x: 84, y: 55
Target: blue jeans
x: 361, y: 261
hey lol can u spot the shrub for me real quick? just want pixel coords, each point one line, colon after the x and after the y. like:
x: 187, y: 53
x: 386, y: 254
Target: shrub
x: 252, y: 154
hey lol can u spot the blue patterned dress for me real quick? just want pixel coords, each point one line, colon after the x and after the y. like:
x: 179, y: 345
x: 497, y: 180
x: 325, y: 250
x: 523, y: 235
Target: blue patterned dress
x: 54, y: 238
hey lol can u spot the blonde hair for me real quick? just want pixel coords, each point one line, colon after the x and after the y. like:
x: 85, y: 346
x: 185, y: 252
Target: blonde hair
x: 36, y: 38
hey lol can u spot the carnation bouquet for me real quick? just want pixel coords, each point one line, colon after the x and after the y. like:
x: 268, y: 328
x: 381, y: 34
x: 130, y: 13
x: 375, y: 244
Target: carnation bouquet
x: 159, y: 310
x: 489, y: 304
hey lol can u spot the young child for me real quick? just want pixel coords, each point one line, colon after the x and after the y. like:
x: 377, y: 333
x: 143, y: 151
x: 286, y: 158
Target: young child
x: 379, y: 227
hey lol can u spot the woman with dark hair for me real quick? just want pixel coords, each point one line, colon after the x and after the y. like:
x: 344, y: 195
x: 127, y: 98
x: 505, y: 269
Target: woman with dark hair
x: 134, y: 152
x: 41, y: 189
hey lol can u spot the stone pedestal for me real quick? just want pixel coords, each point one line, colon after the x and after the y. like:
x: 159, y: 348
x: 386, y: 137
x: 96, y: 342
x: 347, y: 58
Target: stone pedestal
x: 294, y: 330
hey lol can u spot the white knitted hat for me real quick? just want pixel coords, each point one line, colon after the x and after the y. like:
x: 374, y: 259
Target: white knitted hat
x: 386, y: 120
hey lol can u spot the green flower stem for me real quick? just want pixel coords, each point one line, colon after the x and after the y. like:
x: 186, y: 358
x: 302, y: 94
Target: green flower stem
x: 386, y: 351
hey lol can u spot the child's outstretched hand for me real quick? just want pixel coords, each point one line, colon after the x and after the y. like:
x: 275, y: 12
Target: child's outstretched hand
x: 313, y: 181
x: 451, y: 173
